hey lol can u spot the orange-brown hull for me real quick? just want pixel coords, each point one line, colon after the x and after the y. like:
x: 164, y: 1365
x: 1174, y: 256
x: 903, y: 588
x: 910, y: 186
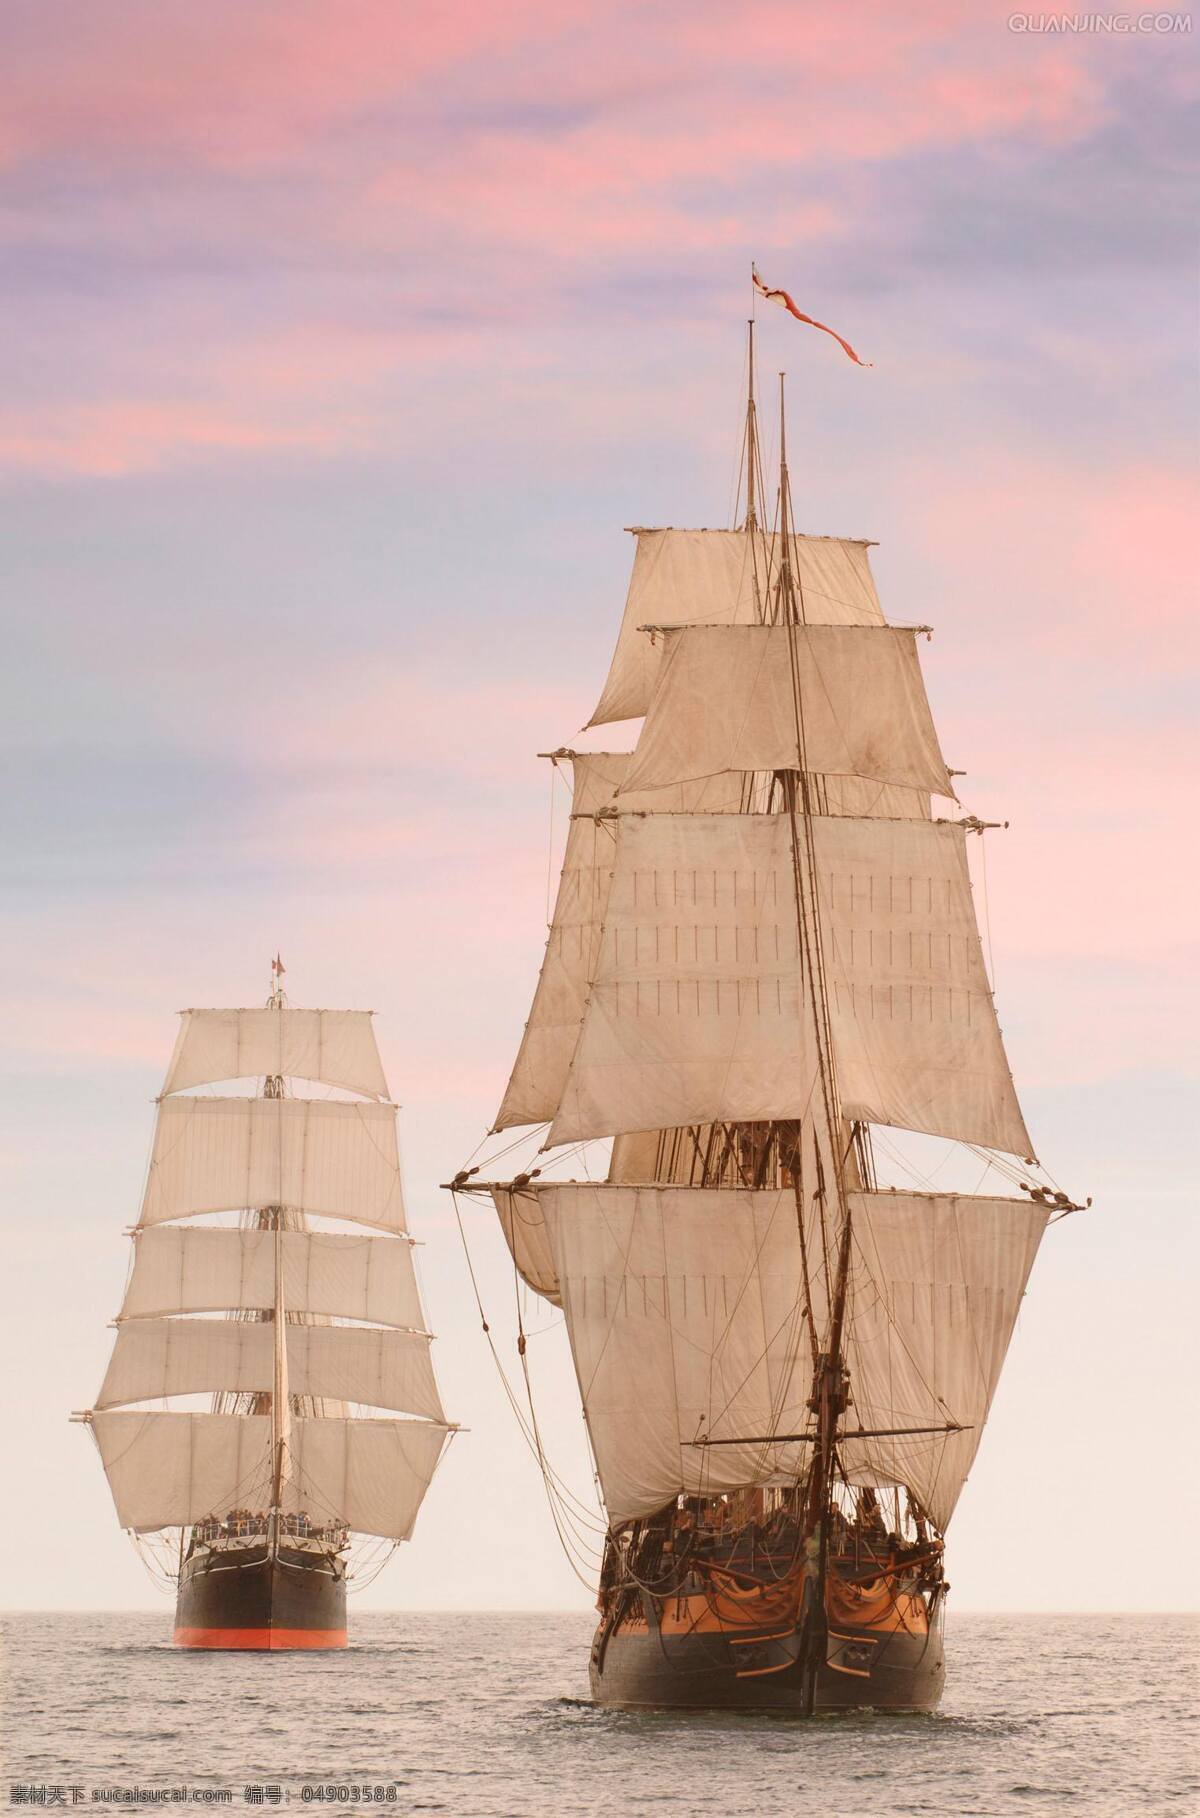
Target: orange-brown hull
x: 733, y: 1647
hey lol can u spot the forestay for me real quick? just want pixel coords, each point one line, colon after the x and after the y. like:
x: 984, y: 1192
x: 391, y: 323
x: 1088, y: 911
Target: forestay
x: 697, y: 1013
x: 168, y: 1469
x: 689, y: 577
x: 190, y: 1269
x: 315, y: 1155
x: 335, y: 1047
x: 684, y: 1308
x: 725, y: 701
x: 153, y: 1358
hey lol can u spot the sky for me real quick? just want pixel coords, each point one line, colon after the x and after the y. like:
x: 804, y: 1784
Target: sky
x: 340, y: 344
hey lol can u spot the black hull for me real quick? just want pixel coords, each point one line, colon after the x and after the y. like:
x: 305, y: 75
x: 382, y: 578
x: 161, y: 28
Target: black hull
x: 241, y: 1597
x: 863, y: 1670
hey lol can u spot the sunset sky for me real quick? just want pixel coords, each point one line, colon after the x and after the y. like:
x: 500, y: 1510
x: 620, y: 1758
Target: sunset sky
x: 341, y: 343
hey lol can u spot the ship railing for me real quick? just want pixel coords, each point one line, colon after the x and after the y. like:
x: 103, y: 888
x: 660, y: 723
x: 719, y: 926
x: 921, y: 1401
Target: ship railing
x: 247, y: 1525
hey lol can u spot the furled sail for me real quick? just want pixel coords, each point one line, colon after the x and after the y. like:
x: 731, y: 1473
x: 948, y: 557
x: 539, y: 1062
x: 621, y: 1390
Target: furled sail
x: 169, y: 1469
x: 316, y: 1155
x: 686, y: 1318
x: 334, y: 1047
x: 386, y: 1368
x: 725, y: 701
x: 721, y: 577
x: 191, y: 1269
x: 696, y: 1010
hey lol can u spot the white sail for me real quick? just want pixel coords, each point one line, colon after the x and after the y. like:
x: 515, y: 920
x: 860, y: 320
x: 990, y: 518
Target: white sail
x: 725, y: 701
x: 936, y: 1284
x: 315, y: 1155
x: 334, y: 1047
x: 685, y: 1311
x: 717, y: 577
x: 153, y: 1358
x: 536, y: 1084
x: 168, y: 1469
x: 379, y: 1369
x: 524, y: 1226
x: 915, y: 1035
x: 696, y: 1011
x: 535, y: 1087
x: 686, y: 1322
x: 371, y: 1474
x: 599, y: 788
x: 190, y: 1269
x: 862, y: 795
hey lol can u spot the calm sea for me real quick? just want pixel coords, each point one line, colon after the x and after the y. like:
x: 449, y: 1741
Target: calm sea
x: 487, y: 1715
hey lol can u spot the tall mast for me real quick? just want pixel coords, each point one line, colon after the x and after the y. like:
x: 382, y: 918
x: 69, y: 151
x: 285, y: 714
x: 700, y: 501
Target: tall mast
x: 751, y: 439
x: 829, y: 1391
x: 280, y: 1398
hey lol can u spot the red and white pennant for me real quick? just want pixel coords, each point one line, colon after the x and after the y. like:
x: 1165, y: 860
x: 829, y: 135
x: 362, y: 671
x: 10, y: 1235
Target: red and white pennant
x: 785, y: 302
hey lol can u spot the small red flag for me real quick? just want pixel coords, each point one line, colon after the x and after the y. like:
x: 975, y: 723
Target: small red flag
x: 785, y: 302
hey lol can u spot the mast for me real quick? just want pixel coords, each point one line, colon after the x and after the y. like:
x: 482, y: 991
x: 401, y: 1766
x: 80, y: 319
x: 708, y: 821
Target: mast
x: 751, y: 438
x: 280, y: 1399
x: 829, y: 1390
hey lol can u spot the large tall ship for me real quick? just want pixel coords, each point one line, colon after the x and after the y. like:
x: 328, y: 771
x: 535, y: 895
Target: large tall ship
x: 763, y: 954
x: 246, y: 1419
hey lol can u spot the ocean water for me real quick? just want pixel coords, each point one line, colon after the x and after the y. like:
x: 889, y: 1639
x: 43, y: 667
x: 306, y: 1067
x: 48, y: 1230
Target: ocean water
x: 487, y: 1716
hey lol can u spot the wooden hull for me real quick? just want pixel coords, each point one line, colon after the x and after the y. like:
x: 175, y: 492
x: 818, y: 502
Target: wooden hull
x: 241, y: 1597
x: 653, y: 1659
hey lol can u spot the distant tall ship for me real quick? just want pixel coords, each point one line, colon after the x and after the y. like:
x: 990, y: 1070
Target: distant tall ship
x: 763, y: 949
x: 261, y: 1506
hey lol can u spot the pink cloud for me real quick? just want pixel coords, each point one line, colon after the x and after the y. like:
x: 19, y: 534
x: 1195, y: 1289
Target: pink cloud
x: 239, y: 88
x: 231, y: 85
x: 122, y: 436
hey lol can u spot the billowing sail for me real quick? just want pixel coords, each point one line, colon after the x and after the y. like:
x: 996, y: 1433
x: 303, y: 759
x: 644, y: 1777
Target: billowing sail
x: 169, y: 1469
x: 936, y: 1285
x: 370, y: 1473
x: 333, y: 1047
x: 536, y: 1085
x: 725, y: 701
x: 189, y: 1269
x: 686, y: 1316
x: 723, y: 577
x: 524, y: 1225
x: 381, y: 1368
x: 314, y: 1155
x: 697, y: 1010
x: 535, y: 1089
x: 292, y: 1331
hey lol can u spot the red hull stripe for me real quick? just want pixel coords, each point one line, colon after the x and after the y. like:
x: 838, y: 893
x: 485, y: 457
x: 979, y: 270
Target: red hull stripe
x: 260, y: 1638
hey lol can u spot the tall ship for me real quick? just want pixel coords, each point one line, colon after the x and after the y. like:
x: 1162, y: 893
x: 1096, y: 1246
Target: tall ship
x: 763, y: 962
x: 266, y: 1342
